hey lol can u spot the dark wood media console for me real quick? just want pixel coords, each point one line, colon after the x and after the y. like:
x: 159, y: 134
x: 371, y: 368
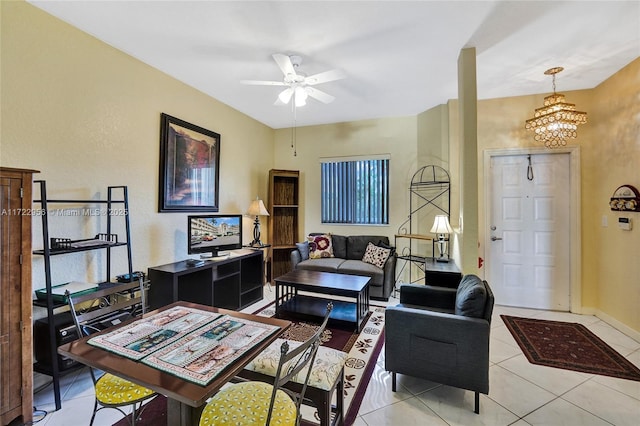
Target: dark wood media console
x: 234, y: 282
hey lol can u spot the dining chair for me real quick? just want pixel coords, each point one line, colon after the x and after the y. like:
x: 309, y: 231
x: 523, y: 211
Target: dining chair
x: 110, y: 305
x: 262, y: 403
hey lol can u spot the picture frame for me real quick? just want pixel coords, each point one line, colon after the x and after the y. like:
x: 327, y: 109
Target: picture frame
x: 189, y: 167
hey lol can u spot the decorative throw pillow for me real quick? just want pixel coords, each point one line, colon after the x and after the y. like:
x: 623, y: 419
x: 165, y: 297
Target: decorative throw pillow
x: 387, y: 246
x: 320, y: 246
x: 303, y: 248
x: 375, y: 255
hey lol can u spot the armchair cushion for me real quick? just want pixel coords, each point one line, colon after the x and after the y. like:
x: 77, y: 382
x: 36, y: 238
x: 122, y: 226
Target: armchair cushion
x: 471, y: 297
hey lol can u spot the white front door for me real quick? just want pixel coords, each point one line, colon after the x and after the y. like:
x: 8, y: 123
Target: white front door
x: 529, y: 247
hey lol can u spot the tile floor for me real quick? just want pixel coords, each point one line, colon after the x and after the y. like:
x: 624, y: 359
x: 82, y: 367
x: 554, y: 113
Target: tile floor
x: 520, y: 393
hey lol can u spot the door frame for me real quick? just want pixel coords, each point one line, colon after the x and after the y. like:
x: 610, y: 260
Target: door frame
x: 575, y: 267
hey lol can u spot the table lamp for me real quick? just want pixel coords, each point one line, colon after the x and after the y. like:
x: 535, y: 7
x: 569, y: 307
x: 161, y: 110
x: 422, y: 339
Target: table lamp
x: 441, y: 227
x: 257, y: 209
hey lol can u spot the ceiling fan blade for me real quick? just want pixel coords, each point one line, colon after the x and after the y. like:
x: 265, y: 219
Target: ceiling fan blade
x: 319, y: 95
x: 324, y: 77
x: 284, y: 62
x: 262, y: 83
x: 284, y: 97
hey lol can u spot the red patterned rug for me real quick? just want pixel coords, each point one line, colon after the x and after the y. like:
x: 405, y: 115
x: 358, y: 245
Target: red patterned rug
x: 363, y: 350
x: 570, y: 346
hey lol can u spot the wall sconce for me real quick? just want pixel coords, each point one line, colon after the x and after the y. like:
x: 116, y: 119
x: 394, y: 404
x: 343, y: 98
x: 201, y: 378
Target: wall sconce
x: 441, y: 227
x: 257, y: 208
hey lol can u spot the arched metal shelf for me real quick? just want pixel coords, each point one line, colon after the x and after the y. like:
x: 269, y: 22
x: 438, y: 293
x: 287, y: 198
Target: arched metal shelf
x: 429, y: 191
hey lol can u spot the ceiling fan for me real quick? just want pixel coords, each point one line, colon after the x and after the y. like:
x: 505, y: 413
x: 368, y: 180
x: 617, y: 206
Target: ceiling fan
x: 299, y: 86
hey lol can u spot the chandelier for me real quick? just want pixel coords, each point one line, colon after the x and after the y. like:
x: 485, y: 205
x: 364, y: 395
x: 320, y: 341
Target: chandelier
x: 557, y: 120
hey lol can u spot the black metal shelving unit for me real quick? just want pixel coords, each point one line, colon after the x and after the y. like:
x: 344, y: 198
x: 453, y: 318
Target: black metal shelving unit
x: 57, y: 246
x: 430, y: 189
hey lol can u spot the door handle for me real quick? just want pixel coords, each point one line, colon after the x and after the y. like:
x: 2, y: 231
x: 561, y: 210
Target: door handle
x: 494, y: 238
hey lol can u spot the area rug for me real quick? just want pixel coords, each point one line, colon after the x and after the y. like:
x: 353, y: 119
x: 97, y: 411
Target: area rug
x: 570, y: 346
x: 363, y: 350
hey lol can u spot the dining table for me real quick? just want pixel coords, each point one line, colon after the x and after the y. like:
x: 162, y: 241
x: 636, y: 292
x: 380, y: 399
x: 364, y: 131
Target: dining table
x: 185, y: 398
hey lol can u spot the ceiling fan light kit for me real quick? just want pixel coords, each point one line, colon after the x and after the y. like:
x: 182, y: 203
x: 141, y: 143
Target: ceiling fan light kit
x: 297, y: 82
x: 298, y: 86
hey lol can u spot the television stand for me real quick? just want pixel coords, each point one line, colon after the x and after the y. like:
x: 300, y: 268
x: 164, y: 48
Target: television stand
x: 233, y: 282
x: 194, y: 262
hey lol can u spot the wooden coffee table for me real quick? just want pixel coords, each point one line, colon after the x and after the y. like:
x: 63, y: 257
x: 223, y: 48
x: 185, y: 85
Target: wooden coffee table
x: 344, y: 313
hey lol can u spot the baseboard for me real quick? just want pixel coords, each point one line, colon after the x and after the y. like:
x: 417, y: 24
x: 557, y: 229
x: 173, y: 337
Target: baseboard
x: 623, y: 328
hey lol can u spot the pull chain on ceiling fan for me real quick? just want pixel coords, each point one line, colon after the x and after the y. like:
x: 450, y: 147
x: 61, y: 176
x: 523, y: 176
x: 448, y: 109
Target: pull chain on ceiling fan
x: 299, y: 86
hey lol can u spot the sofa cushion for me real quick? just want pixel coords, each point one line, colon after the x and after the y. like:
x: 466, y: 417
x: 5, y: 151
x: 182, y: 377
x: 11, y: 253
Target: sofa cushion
x: 471, y: 297
x: 320, y: 246
x: 358, y: 267
x: 327, y: 264
x: 377, y: 256
x: 357, y: 244
x: 339, y: 243
x: 303, y: 248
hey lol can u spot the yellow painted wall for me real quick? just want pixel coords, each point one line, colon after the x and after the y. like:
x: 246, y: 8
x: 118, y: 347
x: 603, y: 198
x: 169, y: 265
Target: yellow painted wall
x: 433, y: 149
x: 612, y: 160
x: 394, y: 136
x: 468, y: 127
x: 610, y: 156
x: 87, y: 116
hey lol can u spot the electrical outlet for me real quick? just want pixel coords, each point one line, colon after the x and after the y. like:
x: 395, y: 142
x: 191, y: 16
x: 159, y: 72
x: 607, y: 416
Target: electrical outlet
x: 605, y: 221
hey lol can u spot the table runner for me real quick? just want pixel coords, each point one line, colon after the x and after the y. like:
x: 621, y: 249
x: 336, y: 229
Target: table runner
x: 192, y: 344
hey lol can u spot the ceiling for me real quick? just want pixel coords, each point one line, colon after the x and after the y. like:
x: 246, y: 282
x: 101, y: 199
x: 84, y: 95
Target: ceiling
x: 400, y: 58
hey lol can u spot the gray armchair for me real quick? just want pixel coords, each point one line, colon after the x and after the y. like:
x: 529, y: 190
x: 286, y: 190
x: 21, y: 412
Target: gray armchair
x: 442, y: 334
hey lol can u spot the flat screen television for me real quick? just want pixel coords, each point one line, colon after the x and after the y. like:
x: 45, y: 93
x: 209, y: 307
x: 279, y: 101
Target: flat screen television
x: 210, y: 234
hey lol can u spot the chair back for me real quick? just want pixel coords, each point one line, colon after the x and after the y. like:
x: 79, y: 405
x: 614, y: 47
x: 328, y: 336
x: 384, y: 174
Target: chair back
x: 293, y: 362
x: 91, y: 311
x: 488, y: 307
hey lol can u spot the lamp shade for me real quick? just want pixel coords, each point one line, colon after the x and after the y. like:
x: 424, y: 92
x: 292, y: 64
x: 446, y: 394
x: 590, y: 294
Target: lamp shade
x: 257, y: 208
x: 441, y: 225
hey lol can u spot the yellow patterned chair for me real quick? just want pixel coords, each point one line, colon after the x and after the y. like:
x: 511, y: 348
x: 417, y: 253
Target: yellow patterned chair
x: 325, y: 382
x: 95, y: 308
x: 259, y: 403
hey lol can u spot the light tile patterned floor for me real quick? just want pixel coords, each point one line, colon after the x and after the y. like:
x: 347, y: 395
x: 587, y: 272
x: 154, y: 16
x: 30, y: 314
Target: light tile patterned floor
x: 520, y: 393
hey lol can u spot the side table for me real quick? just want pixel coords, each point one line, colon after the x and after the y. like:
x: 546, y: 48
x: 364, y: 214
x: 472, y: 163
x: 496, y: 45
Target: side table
x: 441, y: 274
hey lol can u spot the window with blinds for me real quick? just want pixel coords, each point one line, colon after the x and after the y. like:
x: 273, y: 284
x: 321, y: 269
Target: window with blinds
x: 355, y: 191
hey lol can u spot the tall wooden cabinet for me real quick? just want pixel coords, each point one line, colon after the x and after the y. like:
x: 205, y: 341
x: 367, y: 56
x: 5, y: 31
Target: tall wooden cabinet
x: 284, y: 209
x: 16, y: 359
